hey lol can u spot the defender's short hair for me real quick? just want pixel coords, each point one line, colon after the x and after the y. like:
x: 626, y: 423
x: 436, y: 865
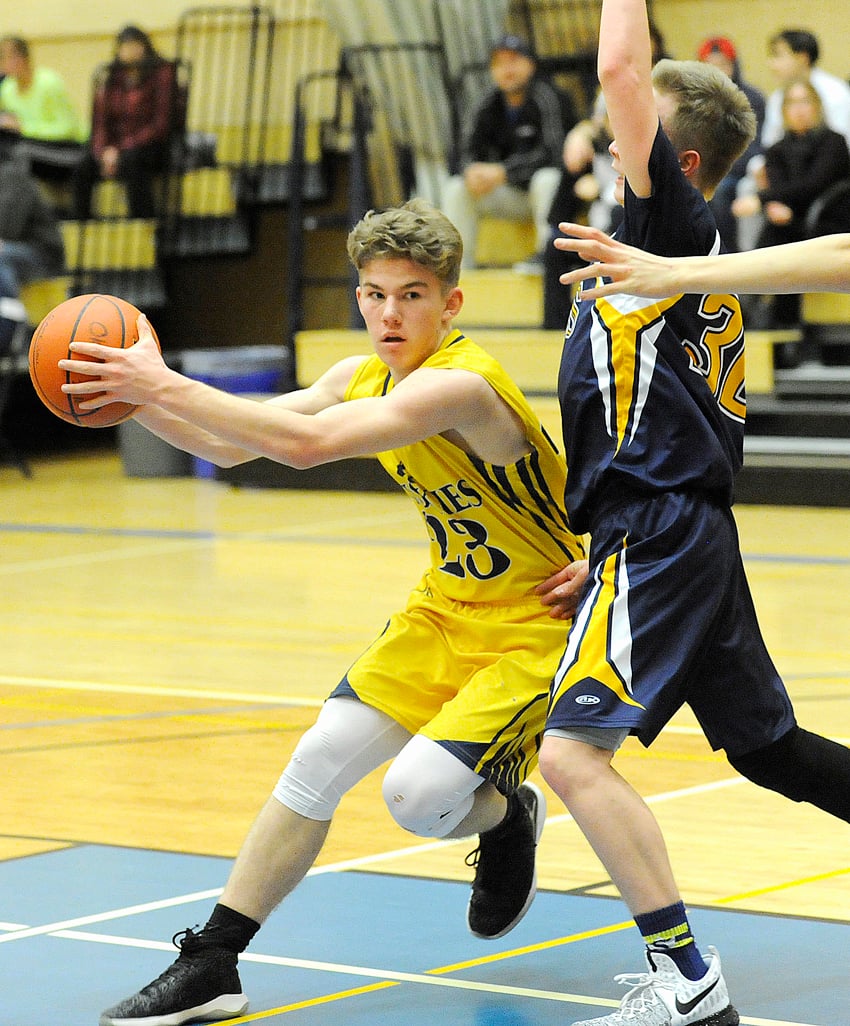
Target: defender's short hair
x: 713, y: 116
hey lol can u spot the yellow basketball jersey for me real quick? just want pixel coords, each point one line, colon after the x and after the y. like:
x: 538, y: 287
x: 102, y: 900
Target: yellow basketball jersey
x: 496, y: 532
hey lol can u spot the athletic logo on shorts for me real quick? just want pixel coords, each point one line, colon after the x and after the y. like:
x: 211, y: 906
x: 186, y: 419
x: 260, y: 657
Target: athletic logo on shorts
x: 587, y: 700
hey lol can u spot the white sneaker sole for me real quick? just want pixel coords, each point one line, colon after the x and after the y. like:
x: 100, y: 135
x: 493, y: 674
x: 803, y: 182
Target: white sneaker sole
x: 226, y: 1006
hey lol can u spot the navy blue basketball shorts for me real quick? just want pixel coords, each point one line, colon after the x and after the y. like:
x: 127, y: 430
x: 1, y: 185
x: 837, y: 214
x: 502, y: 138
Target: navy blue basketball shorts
x: 667, y: 619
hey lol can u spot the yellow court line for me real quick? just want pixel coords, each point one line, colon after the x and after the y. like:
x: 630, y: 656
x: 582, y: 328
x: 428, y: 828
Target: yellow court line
x: 392, y: 978
x: 787, y: 886
x: 399, y: 978
x: 159, y: 691
x: 556, y: 942
x: 164, y: 691
x: 312, y: 1003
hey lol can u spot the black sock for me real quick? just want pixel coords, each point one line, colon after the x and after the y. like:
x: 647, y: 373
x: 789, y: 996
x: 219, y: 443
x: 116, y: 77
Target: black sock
x: 230, y: 929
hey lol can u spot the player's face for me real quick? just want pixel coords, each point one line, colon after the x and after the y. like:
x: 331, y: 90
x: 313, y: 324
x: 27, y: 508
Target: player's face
x: 131, y: 51
x: 11, y: 62
x: 407, y: 312
x: 720, y: 61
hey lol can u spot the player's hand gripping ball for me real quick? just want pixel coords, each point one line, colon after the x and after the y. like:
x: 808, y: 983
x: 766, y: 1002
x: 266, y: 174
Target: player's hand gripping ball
x: 108, y: 320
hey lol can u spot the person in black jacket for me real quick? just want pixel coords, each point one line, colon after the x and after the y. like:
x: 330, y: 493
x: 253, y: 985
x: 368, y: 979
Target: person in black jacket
x: 800, y: 167
x: 511, y: 153
x: 31, y: 244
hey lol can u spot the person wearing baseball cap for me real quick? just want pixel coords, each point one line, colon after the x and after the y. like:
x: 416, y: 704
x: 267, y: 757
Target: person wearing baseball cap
x: 718, y: 46
x: 513, y: 44
x: 510, y: 152
x: 723, y: 54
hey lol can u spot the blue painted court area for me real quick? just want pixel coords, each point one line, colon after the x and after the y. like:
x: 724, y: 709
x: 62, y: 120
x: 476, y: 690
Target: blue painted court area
x: 86, y: 926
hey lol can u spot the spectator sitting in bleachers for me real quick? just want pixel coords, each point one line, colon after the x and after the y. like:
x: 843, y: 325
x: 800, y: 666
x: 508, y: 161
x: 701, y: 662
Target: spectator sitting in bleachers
x: 794, y: 54
x: 721, y: 52
x: 511, y: 153
x: 36, y: 109
x: 132, y: 123
x: 808, y: 159
x: 30, y: 241
x: 585, y: 193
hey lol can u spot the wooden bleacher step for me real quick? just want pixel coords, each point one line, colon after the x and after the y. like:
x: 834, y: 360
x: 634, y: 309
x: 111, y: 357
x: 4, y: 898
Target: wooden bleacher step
x: 501, y: 298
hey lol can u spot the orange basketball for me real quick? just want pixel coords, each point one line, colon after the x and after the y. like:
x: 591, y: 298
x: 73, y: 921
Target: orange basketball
x: 108, y: 320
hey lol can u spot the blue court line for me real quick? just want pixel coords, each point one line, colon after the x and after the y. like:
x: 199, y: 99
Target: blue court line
x: 199, y: 535
x: 800, y: 560
x: 308, y: 965
x: 119, y: 532
x: 280, y: 538
x: 152, y: 715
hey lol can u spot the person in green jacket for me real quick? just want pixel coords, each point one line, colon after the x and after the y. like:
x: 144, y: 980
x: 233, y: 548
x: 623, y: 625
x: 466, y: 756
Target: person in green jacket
x: 37, y: 111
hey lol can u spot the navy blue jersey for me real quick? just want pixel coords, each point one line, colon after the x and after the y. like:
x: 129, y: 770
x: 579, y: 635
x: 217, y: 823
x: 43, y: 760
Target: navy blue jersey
x: 652, y: 391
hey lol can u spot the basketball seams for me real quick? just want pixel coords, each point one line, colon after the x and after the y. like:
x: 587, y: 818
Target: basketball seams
x: 52, y: 340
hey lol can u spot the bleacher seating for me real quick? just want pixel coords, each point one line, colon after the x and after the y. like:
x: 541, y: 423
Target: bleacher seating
x: 316, y: 114
x: 117, y: 256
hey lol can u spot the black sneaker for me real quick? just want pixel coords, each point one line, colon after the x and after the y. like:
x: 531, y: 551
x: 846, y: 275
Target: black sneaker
x: 201, y: 985
x: 505, y: 879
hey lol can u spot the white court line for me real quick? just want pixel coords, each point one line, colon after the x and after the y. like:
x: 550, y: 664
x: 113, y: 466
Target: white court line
x: 451, y: 982
x: 102, y: 917
x: 352, y: 970
x: 68, y: 931
x: 107, y: 556
x: 336, y: 867
x: 164, y: 691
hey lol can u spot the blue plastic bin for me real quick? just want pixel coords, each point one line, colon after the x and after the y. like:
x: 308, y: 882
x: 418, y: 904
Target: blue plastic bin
x: 241, y: 370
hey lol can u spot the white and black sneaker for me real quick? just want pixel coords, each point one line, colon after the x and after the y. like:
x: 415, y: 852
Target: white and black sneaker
x: 202, y: 985
x: 505, y: 878
x: 664, y: 997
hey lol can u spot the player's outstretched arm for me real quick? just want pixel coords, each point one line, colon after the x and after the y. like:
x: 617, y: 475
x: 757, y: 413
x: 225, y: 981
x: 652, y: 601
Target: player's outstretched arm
x: 328, y: 390
x: 141, y: 371
x: 814, y: 265
x: 427, y: 402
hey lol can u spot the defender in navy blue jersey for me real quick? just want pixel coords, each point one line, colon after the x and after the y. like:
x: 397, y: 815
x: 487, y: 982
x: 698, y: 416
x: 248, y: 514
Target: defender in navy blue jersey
x: 653, y: 405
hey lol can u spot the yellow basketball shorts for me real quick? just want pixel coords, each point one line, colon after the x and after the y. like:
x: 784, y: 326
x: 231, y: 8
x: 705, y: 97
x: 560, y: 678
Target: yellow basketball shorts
x: 473, y: 677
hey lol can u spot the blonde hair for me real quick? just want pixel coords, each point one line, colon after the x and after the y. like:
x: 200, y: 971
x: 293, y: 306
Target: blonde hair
x: 813, y: 94
x: 415, y: 231
x: 713, y: 116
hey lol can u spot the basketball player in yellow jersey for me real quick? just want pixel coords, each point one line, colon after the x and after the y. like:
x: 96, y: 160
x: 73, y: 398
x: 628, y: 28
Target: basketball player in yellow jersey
x: 454, y: 690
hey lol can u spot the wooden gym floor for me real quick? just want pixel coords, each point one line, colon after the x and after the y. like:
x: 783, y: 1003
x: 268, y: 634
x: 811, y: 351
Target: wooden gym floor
x: 165, y: 643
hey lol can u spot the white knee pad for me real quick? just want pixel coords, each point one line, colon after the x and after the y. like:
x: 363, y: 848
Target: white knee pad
x: 427, y: 790
x: 347, y: 741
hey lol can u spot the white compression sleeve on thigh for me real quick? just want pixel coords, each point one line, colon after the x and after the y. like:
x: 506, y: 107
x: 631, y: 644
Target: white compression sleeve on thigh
x: 348, y: 740
x: 427, y: 790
